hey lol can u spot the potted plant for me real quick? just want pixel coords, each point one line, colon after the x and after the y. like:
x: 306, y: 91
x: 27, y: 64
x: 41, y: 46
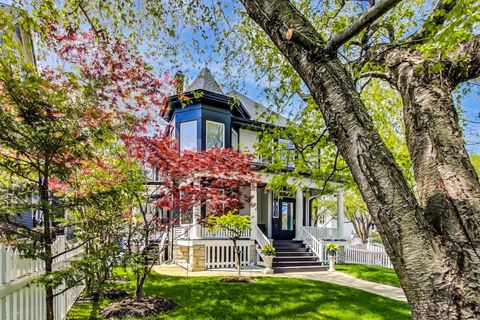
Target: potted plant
x: 268, y: 253
x: 332, y: 249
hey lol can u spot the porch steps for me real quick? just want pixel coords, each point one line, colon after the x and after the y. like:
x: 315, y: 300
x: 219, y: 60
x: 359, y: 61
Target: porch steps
x: 294, y: 256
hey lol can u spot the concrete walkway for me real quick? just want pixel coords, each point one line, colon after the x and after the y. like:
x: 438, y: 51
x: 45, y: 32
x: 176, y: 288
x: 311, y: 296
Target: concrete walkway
x: 344, y: 279
x: 337, y: 277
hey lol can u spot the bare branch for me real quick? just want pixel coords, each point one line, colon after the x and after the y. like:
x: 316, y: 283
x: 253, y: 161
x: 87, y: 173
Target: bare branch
x: 361, y: 23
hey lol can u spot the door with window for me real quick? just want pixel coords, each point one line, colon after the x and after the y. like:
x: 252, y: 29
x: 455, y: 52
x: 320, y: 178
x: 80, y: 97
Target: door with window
x: 283, y: 219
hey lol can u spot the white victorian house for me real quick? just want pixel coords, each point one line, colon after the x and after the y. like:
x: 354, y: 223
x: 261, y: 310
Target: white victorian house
x: 231, y: 120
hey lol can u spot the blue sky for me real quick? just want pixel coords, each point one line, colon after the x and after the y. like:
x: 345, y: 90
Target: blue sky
x: 470, y: 102
x: 246, y: 82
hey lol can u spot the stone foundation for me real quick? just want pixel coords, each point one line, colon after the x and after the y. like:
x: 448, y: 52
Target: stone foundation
x: 197, y: 258
x: 192, y: 256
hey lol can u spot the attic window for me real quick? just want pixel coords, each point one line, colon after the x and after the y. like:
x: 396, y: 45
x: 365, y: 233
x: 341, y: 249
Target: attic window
x: 215, y: 135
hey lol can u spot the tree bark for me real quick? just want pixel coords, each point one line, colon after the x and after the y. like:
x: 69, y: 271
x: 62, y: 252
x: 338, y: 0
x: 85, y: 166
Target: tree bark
x: 47, y: 234
x: 447, y: 184
x: 421, y: 254
x: 237, y: 253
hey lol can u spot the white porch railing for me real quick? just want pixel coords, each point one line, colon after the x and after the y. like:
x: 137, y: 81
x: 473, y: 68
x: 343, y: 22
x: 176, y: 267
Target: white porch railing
x: 261, y: 238
x: 313, y: 243
x: 371, y: 255
x: 262, y: 241
x: 222, y: 234
x: 181, y: 231
x: 320, y: 233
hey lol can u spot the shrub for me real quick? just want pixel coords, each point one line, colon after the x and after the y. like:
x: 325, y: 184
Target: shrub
x: 268, y: 250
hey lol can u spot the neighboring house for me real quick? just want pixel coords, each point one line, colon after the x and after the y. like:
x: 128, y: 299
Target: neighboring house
x: 23, y: 39
x: 21, y: 35
x: 232, y: 120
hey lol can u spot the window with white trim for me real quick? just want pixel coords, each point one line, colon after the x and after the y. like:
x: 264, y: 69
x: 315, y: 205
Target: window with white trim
x: 188, y: 135
x: 234, y: 139
x: 215, y: 135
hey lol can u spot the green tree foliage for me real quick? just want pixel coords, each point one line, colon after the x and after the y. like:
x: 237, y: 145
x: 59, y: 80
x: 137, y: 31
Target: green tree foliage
x: 233, y: 224
x: 475, y: 158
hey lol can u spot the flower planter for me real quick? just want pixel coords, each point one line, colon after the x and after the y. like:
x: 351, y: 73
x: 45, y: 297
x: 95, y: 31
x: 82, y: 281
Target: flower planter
x: 331, y: 260
x: 268, y: 264
x: 332, y: 252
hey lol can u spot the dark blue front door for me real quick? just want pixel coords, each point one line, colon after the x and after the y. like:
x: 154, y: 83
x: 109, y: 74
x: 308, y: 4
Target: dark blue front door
x: 283, y: 219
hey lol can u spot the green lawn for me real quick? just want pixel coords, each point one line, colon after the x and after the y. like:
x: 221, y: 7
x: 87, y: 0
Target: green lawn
x: 370, y: 273
x: 268, y: 298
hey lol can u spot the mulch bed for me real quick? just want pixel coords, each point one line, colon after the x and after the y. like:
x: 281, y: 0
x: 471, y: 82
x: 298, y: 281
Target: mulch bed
x: 112, y: 294
x: 237, y: 279
x: 144, y: 307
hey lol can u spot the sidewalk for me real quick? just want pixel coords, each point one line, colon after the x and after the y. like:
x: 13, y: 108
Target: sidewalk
x: 343, y: 279
x: 325, y: 276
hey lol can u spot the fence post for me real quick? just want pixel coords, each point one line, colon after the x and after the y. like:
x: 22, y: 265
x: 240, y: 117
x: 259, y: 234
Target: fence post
x: 3, y: 265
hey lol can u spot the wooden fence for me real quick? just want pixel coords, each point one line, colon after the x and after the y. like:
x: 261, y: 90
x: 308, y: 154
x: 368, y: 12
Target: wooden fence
x: 20, y: 299
x: 223, y: 256
x: 371, y: 255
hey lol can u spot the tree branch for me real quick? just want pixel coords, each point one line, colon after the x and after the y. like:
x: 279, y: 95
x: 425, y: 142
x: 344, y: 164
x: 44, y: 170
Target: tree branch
x: 365, y: 20
x: 466, y: 61
x: 375, y: 74
x: 436, y: 19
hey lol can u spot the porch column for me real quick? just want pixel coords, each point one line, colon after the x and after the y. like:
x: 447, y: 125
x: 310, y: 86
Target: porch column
x: 195, y: 231
x: 340, y: 214
x: 269, y: 213
x: 253, y: 210
x: 298, y: 213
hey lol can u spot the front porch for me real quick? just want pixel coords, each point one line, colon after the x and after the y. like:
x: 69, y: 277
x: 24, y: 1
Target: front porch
x: 273, y: 219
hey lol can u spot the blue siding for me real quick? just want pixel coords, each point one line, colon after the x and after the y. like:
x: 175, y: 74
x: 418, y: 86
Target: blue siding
x: 189, y: 113
x: 201, y: 113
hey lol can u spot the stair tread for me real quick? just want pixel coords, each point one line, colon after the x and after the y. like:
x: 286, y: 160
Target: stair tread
x: 299, y: 269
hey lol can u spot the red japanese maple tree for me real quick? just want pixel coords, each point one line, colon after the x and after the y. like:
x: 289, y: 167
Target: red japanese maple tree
x: 216, y: 179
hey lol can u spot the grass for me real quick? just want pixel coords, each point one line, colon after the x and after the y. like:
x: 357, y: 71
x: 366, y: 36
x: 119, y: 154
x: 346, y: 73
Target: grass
x: 370, y: 273
x: 267, y: 298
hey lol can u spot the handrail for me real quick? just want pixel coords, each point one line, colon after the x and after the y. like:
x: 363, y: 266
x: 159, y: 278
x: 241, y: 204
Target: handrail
x: 261, y: 237
x: 315, y: 245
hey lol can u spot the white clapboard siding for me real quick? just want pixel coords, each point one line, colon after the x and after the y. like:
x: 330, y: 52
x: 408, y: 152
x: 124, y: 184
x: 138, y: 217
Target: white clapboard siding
x: 22, y: 299
x: 223, y: 256
x: 371, y: 255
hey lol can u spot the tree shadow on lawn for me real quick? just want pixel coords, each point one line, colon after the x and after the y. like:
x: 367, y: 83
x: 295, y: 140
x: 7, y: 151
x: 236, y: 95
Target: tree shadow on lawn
x: 268, y: 298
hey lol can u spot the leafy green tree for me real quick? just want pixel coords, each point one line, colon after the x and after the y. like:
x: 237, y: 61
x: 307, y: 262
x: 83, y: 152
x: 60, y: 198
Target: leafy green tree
x: 234, y: 225
x: 41, y: 143
x: 356, y: 212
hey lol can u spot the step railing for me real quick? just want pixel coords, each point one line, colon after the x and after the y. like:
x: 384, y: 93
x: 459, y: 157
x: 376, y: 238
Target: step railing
x: 262, y: 241
x: 312, y: 243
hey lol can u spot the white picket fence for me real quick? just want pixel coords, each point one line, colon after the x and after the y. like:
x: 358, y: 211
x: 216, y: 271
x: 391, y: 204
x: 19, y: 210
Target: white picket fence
x: 20, y: 299
x: 371, y: 255
x: 223, y: 256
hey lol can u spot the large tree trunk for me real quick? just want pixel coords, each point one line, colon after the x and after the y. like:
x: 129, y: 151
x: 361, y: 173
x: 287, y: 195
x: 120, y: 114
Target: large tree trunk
x: 418, y: 252
x: 447, y: 184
